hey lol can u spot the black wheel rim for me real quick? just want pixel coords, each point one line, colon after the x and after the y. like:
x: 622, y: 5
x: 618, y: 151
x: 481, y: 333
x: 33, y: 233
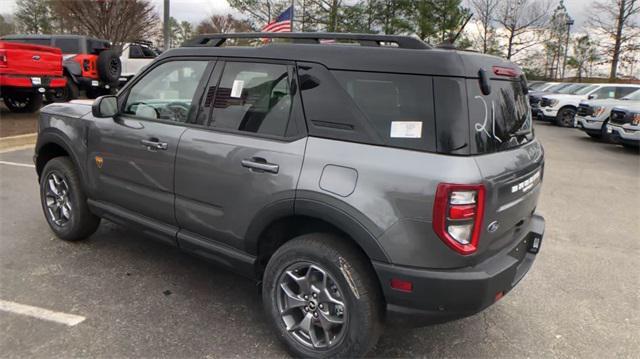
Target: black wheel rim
x: 311, y: 306
x: 56, y: 199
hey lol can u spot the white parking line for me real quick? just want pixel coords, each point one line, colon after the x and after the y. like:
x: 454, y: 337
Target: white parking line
x: 41, y: 313
x: 16, y: 164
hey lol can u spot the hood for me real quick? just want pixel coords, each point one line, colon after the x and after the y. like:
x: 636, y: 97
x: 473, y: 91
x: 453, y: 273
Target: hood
x: 604, y: 102
x: 75, y: 108
x: 565, y: 96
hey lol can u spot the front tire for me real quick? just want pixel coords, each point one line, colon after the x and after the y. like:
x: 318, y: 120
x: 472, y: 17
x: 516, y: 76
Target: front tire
x: 565, y: 117
x: 322, y: 297
x: 64, y: 203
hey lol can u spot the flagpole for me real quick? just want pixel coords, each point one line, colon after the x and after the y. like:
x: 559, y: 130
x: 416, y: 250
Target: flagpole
x: 293, y: 14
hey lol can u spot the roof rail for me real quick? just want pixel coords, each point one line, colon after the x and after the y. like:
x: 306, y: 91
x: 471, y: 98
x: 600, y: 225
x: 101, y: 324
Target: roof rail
x: 216, y: 40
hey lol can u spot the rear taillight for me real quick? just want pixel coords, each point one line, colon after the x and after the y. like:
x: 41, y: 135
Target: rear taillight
x: 3, y: 59
x: 506, y: 71
x: 457, y: 215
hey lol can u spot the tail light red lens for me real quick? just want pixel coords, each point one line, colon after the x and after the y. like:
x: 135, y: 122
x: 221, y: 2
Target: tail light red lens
x: 506, y: 71
x: 3, y: 59
x: 457, y: 215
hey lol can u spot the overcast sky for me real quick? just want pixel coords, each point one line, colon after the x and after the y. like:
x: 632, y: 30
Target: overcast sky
x: 195, y: 10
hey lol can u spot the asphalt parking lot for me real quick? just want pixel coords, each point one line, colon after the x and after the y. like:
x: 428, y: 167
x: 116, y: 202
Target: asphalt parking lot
x: 140, y: 298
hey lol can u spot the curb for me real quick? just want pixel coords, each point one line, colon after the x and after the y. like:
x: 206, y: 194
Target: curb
x: 17, y: 142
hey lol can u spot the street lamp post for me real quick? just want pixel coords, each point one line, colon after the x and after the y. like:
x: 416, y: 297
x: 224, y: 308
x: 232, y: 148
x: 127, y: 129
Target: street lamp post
x: 566, y: 46
x: 165, y: 25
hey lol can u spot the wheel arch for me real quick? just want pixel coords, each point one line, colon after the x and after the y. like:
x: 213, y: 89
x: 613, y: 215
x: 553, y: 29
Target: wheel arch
x: 277, y: 224
x: 52, y: 144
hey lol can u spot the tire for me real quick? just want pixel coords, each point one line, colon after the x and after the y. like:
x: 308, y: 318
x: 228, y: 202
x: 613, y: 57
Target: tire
x: 318, y: 256
x: 68, y: 93
x: 109, y: 66
x: 594, y: 135
x: 93, y: 94
x: 23, y: 103
x: 61, y: 191
x: 565, y: 117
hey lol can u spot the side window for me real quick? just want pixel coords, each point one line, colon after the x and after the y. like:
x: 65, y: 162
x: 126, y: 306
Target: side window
x: 604, y: 92
x: 135, y: 52
x: 166, y: 92
x: 253, y: 97
x: 147, y: 52
x: 68, y: 46
x: 624, y: 91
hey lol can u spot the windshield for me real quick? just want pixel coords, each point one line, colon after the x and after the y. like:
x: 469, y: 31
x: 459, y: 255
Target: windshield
x: 572, y: 89
x: 556, y: 88
x: 634, y: 96
x: 537, y: 85
x: 586, y: 90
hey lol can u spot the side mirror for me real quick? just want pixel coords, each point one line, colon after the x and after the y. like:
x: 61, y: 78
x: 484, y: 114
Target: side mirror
x: 105, y: 106
x: 591, y: 97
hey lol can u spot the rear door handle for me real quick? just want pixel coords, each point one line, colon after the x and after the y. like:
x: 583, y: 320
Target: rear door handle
x: 154, y: 145
x: 260, y: 165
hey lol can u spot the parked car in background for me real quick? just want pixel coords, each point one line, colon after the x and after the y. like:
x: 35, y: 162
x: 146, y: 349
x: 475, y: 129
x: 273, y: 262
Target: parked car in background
x: 556, y: 87
x: 134, y: 56
x: 27, y: 72
x: 624, y: 125
x: 395, y: 194
x: 561, y: 108
x: 593, y: 115
x: 89, y: 63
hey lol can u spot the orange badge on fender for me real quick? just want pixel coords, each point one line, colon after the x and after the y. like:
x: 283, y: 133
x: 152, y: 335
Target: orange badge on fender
x: 99, y: 161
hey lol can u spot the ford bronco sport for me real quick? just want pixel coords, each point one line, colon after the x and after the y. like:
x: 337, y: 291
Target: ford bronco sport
x: 89, y: 63
x: 369, y: 180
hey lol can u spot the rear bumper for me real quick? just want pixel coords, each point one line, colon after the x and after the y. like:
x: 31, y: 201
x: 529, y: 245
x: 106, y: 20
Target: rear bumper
x: 32, y: 83
x: 444, y: 295
x: 91, y: 83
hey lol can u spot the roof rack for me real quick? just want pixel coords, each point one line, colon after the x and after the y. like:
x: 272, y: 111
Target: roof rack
x: 216, y: 40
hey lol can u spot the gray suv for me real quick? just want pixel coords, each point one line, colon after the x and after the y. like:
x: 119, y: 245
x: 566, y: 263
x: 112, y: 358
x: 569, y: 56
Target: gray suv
x: 363, y: 181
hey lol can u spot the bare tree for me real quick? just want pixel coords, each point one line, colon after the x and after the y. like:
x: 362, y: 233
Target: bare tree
x: 261, y: 11
x: 33, y: 16
x: 616, y: 19
x: 484, y: 13
x: 520, y: 18
x: 215, y: 24
x: 118, y: 21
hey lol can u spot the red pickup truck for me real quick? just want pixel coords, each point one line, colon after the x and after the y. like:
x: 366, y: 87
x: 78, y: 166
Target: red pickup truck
x: 27, y: 72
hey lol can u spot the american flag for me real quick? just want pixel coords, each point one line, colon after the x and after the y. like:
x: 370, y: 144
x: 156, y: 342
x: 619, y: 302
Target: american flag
x: 282, y: 23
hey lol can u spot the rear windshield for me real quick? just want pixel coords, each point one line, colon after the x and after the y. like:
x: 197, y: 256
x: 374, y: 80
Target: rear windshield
x: 500, y: 120
x: 45, y: 42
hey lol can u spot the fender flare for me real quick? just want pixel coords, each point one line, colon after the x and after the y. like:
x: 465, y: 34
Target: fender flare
x: 54, y: 136
x: 72, y: 69
x: 324, y: 208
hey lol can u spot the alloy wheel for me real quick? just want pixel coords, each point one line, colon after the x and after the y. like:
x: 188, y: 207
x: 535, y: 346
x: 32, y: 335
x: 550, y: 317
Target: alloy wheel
x: 57, y: 200
x: 312, y: 306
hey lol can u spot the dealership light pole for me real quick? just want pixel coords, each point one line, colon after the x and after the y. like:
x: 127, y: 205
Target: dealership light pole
x: 566, y: 46
x: 165, y: 25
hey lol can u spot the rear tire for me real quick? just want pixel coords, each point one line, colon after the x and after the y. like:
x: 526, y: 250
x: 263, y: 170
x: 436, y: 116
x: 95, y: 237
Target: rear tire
x: 64, y: 202
x: 23, y: 103
x: 335, y: 267
x: 565, y: 117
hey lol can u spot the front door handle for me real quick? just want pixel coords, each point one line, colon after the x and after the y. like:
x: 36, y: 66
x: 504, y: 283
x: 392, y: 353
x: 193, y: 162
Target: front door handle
x: 154, y: 145
x: 260, y: 165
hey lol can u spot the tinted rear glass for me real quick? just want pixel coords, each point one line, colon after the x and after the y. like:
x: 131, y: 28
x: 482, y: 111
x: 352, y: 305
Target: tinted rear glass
x: 500, y: 120
x: 398, y: 107
x: 68, y: 46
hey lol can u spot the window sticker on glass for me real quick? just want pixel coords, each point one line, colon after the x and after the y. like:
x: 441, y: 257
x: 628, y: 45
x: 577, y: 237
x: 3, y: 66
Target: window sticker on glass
x: 406, y: 129
x: 236, y: 89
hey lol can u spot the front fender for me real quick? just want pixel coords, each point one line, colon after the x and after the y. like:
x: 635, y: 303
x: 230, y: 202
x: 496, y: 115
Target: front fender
x: 69, y: 138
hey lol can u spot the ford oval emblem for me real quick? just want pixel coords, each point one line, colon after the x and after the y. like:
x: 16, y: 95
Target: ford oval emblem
x: 36, y: 57
x: 493, y: 226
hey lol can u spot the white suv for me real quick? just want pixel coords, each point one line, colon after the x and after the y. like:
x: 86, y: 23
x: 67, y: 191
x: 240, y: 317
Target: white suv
x: 562, y: 108
x: 134, y: 57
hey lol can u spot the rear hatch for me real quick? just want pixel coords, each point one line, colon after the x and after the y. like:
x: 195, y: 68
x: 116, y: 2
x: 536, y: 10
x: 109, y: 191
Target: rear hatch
x: 508, y: 156
x: 31, y: 60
